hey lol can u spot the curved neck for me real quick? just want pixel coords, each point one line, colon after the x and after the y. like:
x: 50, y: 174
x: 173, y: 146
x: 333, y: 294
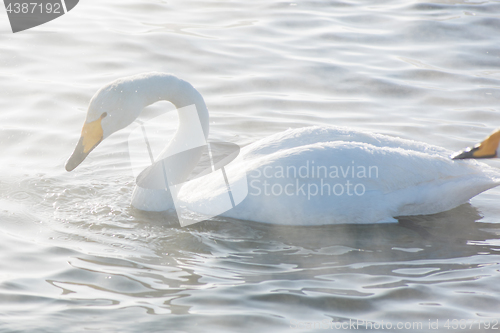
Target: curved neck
x: 193, y: 128
x: 154, y: 87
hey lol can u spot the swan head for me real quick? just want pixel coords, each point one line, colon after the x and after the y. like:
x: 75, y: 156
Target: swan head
x: 113, y: 107
x: 119, y: 103
x: 489, y: 148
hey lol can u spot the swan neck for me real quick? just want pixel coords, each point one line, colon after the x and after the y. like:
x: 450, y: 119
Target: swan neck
x: 178, y: 92
x: 193, y: 128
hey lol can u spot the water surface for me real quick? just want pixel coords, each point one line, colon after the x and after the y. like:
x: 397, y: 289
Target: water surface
x: 76, y: 257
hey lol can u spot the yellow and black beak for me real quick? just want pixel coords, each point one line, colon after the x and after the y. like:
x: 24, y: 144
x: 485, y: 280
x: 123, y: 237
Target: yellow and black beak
x: 486, y: 149
x: 92, y: 135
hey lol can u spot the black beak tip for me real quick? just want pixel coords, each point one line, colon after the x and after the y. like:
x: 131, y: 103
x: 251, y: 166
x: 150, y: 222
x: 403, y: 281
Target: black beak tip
x: 464, y: 154
x: 73, y: 161
x: 69, y: 166
x: 76, y: 158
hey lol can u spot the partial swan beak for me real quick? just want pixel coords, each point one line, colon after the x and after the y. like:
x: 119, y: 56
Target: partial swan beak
x: 92, y: 135
x: 486, y: 149
x: 465, y: 154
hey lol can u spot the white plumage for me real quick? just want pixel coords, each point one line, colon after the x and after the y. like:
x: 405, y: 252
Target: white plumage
x: 412, y: 178
x: 352, y: 176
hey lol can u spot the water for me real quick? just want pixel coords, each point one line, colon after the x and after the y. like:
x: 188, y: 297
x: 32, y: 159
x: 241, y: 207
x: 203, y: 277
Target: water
x: 76, y: 257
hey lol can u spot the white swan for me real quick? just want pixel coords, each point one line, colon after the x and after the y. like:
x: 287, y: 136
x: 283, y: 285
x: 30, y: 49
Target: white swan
x: 348, y: 176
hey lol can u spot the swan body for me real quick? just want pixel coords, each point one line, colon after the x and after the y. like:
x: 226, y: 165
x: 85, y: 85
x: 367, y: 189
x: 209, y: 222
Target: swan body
x: 394, y: 177
x: 305, y: 176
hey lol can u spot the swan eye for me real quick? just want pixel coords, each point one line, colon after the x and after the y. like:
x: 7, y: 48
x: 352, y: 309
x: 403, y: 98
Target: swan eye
x: 104, y: 115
